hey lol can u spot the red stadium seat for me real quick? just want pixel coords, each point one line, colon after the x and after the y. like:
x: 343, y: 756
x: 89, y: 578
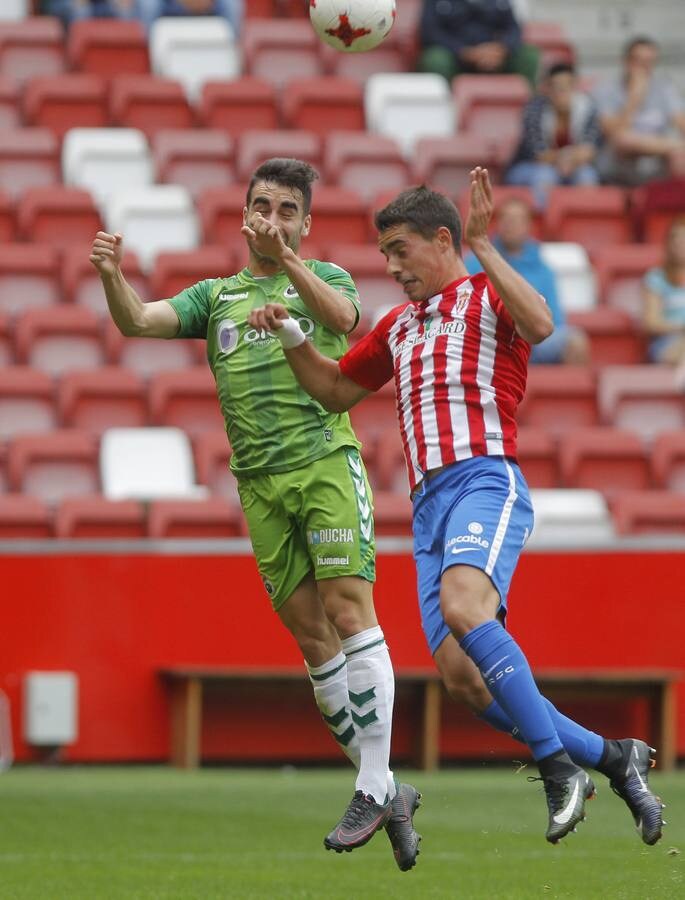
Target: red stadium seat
x: 54, y: 465
x: 29, y: 157
x: 559, y: 398
x: 620, y: 273
x: 211, y: 518
x: 256, y: 146
x: 551, y: 41
x: 591, y: 216
x: 173, y: 272
x: 108, y: 47
x: 392, y: 513
x: 614, y: 338
x: 221, y: 214
x: 29, y: 277
x: 246, y: 104
x: 32, y: 48
x: 655, y: 206
x: 445, y: 162
x: 3, y: 469
x: 391, y: 56
x: 367, y: 266
x: 186, y: 399
x: 212, y: 454
x: 668, y: 460
x: 490, y: 105
x: 58, y: 215
x: 102, y: 398
x: 81, y: 283
x: 364, y: 162
x: 8, y: 225
x: 149, y: 103
x: 96, y: 517
x: 10, y: 116
x: 24, y: 517
x: 6, y: 344
x: 198, y: 159
x: 337, y: 212
x: 646, y: 399
x: 604, y: 459
x: 59, y: 339
x: 323, y: 105
x: 649, y: 512
x: 279, y: 51
x: 376, y: 412
x: 538, y: 458
x: 391, y: 466
x: 66, y: 101
x: 147, y: 356
x: 26, y: 402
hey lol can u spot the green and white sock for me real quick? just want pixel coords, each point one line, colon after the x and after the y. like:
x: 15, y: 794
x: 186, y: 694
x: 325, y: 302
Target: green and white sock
x: 371, y: 686
x: 330, y: 692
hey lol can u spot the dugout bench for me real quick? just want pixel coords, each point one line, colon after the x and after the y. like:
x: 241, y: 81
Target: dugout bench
x: 657, y: 686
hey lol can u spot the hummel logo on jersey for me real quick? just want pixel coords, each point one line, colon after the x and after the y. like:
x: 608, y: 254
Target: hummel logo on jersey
x: 291, y: 291
x: 226, y: 296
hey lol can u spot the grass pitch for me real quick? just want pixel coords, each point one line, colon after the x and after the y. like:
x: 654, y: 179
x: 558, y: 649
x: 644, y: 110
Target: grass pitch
x: 149, y: 833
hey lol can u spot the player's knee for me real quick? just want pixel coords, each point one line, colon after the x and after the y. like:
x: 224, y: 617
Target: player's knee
x: 465, y: 599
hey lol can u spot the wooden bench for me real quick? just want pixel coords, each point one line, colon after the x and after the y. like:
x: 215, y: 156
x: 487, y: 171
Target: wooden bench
x: 655, y: 685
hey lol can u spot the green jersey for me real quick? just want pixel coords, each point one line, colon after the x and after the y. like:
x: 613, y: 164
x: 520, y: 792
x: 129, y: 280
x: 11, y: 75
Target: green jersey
x: 273, y: 425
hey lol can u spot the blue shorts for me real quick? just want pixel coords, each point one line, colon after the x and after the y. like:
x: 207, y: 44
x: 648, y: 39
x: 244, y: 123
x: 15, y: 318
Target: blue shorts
x: 477, y: 512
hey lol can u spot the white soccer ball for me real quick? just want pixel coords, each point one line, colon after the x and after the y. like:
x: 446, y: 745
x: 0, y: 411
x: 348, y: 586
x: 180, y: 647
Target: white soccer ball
x: 352, y: 25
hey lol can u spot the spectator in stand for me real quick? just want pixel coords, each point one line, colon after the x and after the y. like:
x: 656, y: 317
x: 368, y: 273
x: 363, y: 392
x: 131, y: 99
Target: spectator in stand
x: 514, y: 242
x: 476, y: 36
x: 643, y: 119
x: 664, y: 311
x: 559, y: 137
x: 72, y: 10
x: 231, y: 10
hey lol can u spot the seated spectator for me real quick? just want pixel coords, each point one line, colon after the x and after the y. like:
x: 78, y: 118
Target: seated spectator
x: 72, y: 10
x: 664, y: 311
x: 643, y: 120
x: 231, y: 10
x: 559, y: 137
x: 480, y: 36
x: 566, y: 344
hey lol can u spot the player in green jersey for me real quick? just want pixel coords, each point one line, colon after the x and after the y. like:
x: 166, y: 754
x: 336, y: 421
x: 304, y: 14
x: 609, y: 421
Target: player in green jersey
x: 301, y: 481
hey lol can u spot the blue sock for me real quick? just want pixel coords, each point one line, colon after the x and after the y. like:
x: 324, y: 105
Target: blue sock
x: 507, y: 675
x: 583, y: 746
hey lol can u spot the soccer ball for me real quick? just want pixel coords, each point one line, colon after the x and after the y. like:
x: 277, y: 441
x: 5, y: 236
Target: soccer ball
x: 352, y: 25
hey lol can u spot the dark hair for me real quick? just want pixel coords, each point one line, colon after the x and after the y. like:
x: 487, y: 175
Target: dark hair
x: 636, y: 42
x: 424, y: 211
x: 560, y: 68
x: 290, y: 173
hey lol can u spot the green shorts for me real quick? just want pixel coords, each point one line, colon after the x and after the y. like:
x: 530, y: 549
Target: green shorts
x: 315, y: 519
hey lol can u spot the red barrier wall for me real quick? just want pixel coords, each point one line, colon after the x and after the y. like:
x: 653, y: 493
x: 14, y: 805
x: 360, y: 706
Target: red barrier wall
x: 114, y: 620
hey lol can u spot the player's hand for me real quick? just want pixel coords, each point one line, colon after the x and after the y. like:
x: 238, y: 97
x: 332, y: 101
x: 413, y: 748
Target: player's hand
x: 106, y: 252
x: 269, y: 317
x: 480, y: 206
x: 265, y: 238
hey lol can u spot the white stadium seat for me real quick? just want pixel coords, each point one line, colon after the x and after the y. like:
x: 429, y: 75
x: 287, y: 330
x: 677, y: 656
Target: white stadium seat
x: 161, y: 217
x: 106, y: 161
x: 15, y: 10
x: 193, y: 51
x: 564, y: 517
x: 409, y: 106
x: 148, y: 464
x: 574, y: 276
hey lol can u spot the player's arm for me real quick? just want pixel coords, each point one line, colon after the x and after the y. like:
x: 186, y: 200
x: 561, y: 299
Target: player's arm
x: 132, y: 317
x: 320, y: 376
x: 526, y: 307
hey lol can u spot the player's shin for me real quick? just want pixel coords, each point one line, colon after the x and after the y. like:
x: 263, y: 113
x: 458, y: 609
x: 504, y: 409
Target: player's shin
x: 331, y: 694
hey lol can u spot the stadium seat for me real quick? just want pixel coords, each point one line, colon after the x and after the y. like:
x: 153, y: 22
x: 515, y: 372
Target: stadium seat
x: 26, y: 402
x: 8, y: 225
x: 376, y: 412
x: 614, y: 338
x: 392, y: 513
x: 337, y: 212
x: 279, y: 51
x: 107, y: 47
x: 367, y: 266
x: 15, y: 10
x: 256, y: 146
x: 58, y: 215
x: 147, y: 356
x: 559, y: 398
x: 567, y: 517
x: 365, y: 163
x: 590, y: 216
x: 490, y: 105
x: 390, y: 56
x: 147, y: 464
x: 444, y: 163
x: 620, y: 272
x: 97, y: 517
x: 649, y: 512
x: 197, y: 159
x: 210, y: 518
x: 173, y: 272
x: 391, y: 466
x: 501, y: 193
x: 538, y: 458
x: 3, y: 469
x: 24, y: 517
x: 9, y: 104
x: 323, y: 105
x: 409, y: 106
x: 194, y: 50
x: 105, y: 161
x: 102, y: 398
x: 59, y: 339
x: 66, y: 101
x: 32, y: 48
x: 221, y: 214
x: 81, y: 283
x: 668, y: 460
x: 645, y: 399
x: 604, y: 459
x: 29, y: 157
x: 6, y: 344
x: 551, y: 41
x: 54, y: 465
x: 655, y: 205
x: 246, y: 104
x: 29, y: 277
x: 149, y: 103
x: 154, y: 219
x: 212, y: 455
x: 186, y: 399
x: 574, y: 276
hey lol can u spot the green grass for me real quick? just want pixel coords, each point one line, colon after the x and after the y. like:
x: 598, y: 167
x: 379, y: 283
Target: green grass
x: 147, y: 833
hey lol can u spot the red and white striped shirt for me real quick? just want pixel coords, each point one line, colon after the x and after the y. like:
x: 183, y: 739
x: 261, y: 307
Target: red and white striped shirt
x: 460, y: 372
